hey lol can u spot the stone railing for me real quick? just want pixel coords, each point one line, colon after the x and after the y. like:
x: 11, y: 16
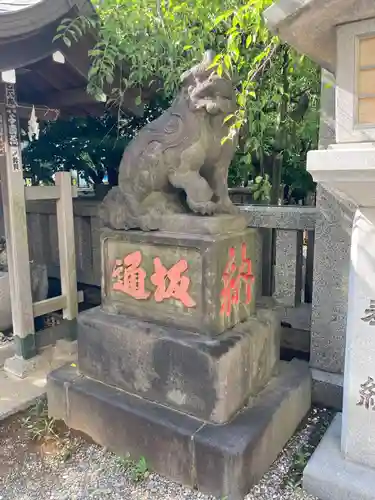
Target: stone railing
x: 295, y: 227
x: 290, y: 278
x: 290, y: 282
x: 241, y: 196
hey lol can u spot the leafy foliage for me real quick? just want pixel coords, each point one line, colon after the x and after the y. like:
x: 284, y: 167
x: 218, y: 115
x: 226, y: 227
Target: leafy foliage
x: 159, y: 39
x: 139, y: 471
x: 261, y: 188
x: 91, y: 146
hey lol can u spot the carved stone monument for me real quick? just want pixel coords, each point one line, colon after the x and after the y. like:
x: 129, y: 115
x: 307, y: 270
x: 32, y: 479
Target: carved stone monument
x: 178, y: 364
x: 178, y: 163
x: 342, y: 38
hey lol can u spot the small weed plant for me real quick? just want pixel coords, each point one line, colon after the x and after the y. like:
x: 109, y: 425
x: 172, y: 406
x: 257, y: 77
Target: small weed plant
x: 38, y: 424
x: 138, y: 470
x: 46, y: 431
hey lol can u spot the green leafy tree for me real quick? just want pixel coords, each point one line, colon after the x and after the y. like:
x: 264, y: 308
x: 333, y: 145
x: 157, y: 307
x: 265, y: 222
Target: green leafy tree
x: 91, y: 146
x: 88, y: 145
x: 277, y: 89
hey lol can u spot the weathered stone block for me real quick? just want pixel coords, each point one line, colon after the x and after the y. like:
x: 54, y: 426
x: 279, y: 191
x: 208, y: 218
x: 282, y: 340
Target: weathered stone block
x: 331, y: 277
x: 232, y: 458
x: 210, y: 378
x: 204, y: 283
x: 124, y: 423
x: 197, y: 224
x: 327, y: 389
x: 329, y: 476
x: 223, y: 460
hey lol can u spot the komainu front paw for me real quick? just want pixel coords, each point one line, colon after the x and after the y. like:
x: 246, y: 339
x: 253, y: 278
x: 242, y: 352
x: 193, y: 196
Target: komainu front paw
x: 227, y: 207
x: 203, y: 208
x: 149, y: 223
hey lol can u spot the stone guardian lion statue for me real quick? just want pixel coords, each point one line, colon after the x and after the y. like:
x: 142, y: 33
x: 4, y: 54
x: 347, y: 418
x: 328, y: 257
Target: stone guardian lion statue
x: 177, y: 163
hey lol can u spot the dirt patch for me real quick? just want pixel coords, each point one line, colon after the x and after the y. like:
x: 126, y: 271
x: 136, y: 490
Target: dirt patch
x: 19, y: 441
x: 14, y: 445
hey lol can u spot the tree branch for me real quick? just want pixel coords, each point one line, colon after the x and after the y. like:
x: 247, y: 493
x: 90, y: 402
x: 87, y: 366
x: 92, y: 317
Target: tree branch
x: 159, y: 10
x: 261, y: 68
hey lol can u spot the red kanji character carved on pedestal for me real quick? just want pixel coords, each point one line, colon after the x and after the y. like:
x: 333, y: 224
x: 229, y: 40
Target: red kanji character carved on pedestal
x: 171, y: 284
x: 232, y: 281
x: 130, y: 278
x: 246, y: 274
x: 230, y: 292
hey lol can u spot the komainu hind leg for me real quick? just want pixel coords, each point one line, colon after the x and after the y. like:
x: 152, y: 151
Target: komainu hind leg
x: 114, y: 213
x: 121, y: 210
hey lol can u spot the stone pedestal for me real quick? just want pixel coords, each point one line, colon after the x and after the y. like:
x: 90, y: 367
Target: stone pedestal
x: 221, y: 460
x: 210, y: 378
x: 356, y: 458
x: 178, y: 365
x: 203, y: 283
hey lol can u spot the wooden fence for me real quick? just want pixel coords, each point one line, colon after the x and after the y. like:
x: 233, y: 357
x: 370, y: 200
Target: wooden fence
x: 290, y: 282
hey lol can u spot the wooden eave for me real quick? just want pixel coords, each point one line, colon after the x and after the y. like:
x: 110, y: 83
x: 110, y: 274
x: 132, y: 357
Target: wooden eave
x: 26, y: 45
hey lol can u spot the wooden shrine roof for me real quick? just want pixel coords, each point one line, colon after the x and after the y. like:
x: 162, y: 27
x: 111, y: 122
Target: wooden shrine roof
x: 27, y: 29
x: 310, y: 25
x: 15, y: 5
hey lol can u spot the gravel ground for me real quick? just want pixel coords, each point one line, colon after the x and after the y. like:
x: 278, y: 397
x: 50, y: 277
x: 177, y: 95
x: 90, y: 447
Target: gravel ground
x: 73, y: 469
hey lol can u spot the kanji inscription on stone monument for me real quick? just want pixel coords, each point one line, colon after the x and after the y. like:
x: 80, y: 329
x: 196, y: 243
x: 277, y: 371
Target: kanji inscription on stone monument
x: 367, y: 394
x: 130, y: 278
x: 12, y: 126
x: 171, y: 283
x: 233, y: 278
x: 370, y: 314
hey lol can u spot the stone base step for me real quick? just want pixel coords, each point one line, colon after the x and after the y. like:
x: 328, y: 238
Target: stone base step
x: 330, y: 476
x: 222, y: 460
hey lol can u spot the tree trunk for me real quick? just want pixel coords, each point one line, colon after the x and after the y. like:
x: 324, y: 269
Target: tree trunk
x: 281, y: 133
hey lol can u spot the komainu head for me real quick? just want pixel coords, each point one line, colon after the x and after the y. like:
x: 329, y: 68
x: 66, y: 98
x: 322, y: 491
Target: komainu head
x: 206, y: 90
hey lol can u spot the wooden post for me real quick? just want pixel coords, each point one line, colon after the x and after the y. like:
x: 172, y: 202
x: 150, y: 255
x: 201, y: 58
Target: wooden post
x: 65, y: 228
x: 13, y: 194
